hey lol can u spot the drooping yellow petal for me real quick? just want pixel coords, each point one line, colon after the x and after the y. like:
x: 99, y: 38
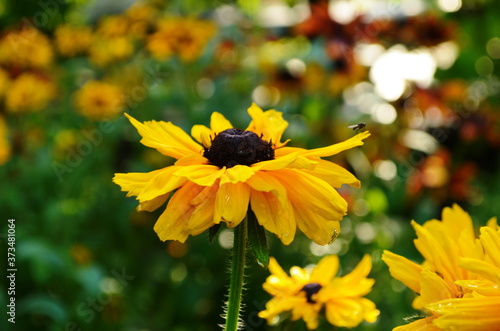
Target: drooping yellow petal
x: 404, y: 270
x: 189, y: 212
x: 315, y: 227
x: 345, y: 312
x: 357, y: 140
x: 152, y: 205
x: 166, y: 137
x: 307, y: 312
x: 264, y: 182
x: 231, y: 203
x: 325, y: 270
x: 274, y: 215
x: 308, y: 192
x: 269, y: 123
x: 278, y: 305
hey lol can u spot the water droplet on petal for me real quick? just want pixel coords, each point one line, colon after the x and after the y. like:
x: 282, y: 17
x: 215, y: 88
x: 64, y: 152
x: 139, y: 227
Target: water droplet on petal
x: 334, y: 236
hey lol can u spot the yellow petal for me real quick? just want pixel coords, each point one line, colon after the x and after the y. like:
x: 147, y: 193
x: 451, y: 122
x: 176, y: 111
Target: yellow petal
x: 345, y: 312
x: 325, y: 270
x: 492, y: 223
x: 457, y: 222
x: 438, y: 249
x: 265, y: 182
x: 194, y: 159
x: 219, y: 123
x: 275, y: 268
x: 404, y: 270
x: 357, y: 140
x: 360, y: 271
x: 275, y: 216
x: 203, y: 135
x: 483, y: 268
x: 164, y: 182
x: 231, y: 203
x: 182, y: 217
x: 152, y: 205
x: 166, y: 137
x: 490, y: 240
x: 276, y: 164
x: 468, y: 314
x: 315, y: 227
x: 333, y: 174
x: 238, y: 173
x: 434, y: 288
x: 308, y: 192
x: 307, y: 312
x: 480, y: 286
x: 270, y: 124
x: 278, y: 305
x: 423, y: 324
x: 203, y: 174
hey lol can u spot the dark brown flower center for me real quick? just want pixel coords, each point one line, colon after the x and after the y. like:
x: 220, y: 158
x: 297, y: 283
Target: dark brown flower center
x: 234, y: 146
x: 310, y: 290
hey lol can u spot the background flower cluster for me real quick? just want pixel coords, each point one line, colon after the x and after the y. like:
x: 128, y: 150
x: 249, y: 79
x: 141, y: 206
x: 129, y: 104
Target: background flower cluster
x: 423, y: 75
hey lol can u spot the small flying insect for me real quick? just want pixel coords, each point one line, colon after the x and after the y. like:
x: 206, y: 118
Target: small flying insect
x: 357, y: 127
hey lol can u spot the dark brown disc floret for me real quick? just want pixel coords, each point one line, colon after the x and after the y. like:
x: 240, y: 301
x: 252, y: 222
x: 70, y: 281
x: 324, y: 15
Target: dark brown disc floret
x: 234, y: 146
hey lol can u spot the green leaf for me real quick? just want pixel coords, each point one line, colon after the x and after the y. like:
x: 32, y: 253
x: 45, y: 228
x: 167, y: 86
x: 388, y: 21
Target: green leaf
x: 258, y: 240
x: 212, y: 232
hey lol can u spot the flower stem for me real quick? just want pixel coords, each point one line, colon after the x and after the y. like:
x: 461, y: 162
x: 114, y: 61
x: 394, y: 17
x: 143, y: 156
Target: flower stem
x: 237, y: 273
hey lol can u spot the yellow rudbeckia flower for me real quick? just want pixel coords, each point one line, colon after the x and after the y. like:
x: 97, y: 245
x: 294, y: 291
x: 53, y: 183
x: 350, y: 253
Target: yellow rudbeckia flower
x: 456, y: 273
x: 306, y: 292
x: 227, y: 170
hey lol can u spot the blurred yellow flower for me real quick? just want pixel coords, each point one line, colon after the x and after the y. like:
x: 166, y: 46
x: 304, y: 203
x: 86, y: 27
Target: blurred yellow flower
x: 29, y: 92
x: 4, y: 82
x: 140, y: 17
x: 184, y: 37
x: 26, y: 48
x: 5, y: 149
x: 106, y: 50
x: 99, y: 100
x: 113, y: 26
x: 228, y: 169
x: 452, y: 273
x: 306, y: 292
x: 72, y: 40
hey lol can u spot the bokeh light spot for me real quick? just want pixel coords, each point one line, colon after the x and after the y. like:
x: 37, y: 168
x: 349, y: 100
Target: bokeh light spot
x: 385, y: 169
